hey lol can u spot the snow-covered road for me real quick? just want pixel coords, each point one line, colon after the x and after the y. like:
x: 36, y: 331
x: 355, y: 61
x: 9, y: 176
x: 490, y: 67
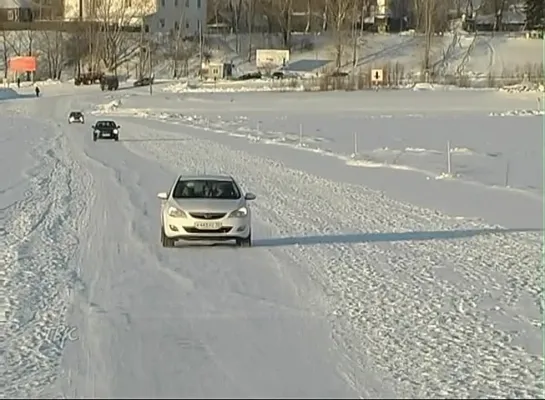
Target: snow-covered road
x: 333, y: 301
x: 199, y: 322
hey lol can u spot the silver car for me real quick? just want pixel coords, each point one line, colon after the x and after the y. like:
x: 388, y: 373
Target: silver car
x: 206, y: 207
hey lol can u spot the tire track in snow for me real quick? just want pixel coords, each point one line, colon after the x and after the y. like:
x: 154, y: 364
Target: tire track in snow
x: 39, y: 240
x: 454, y: 315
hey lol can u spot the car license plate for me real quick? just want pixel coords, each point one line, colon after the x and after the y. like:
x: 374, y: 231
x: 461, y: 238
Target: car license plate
x: 208, y: 226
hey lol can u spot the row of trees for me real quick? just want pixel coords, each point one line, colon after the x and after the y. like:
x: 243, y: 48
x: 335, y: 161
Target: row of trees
x: 100, y: 42
x: 343, y: 18
x: 535, y: 14
x: 323, y: 15
x: 105, y: 45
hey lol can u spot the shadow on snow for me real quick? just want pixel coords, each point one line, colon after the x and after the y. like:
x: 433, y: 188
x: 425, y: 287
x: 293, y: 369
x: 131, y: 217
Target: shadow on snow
x: 383, y: 237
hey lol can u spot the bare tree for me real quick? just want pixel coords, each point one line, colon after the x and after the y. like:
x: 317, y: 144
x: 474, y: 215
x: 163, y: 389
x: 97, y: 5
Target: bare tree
x: 5, y: 51
x: 21, y: 43
x: 54, y: 52
x: 76, y: 49
x: 250, y: 4
x: 180, y: 49
x: 235, y: 8
x: 268, y: 9
x: 428, y: 10
x: 434, y: 19
x: 338, y: 12
x: 118, y: 46
x: 309, y: 16
x: 284, y: 15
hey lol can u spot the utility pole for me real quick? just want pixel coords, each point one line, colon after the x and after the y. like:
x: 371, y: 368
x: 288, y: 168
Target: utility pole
x: 150, y: 68
x: 201, y: 50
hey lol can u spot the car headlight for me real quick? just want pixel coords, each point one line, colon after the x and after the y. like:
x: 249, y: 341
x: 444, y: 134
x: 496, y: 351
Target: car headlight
x: 176, y: 213
x: 97, y: 131
x: 240, y: 213
x: 115, y: 130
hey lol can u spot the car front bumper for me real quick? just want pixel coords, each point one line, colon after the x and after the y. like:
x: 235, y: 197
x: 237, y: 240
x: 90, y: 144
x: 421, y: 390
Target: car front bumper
x: 185, y: 228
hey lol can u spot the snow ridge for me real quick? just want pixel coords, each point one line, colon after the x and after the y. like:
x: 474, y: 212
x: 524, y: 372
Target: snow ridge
x: 39, y: 239
x: 439, y: 306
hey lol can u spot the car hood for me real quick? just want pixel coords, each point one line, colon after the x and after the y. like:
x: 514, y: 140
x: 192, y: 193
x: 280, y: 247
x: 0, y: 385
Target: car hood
x: 208, y: 205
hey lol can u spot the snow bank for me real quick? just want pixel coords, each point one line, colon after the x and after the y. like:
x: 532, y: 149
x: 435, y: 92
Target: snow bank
x: 518, y: 113
x: 47, y: 82
x: 524, y: 87
x: 423, y: 86
x: 111, y: 106
x: 232, y: 86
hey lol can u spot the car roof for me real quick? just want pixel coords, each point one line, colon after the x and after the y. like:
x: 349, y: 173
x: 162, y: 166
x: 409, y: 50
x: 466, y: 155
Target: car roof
x: 205, y: 177
x: 76, y: 112
x: 105, y: 120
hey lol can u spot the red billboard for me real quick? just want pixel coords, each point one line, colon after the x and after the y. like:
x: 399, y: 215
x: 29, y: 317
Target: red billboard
x: 22, y: 64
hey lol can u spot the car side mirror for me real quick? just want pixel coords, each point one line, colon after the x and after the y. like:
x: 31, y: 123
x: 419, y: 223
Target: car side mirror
x: 93, y: 127
x: 249, y: 196
x: 118, y: 126
x: 162, y: 195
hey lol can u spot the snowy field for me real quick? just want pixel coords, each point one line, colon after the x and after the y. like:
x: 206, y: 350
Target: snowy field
x: 501, y: 55
x: 369, y: 277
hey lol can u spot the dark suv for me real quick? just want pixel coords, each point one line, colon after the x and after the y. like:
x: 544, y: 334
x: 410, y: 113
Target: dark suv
x: 105, y: 129
x: 109, y: 82
x: 88, y: 78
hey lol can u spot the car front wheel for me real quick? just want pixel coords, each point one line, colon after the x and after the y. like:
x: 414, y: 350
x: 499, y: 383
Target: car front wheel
x: 245, y: 242
x: 166, y: 241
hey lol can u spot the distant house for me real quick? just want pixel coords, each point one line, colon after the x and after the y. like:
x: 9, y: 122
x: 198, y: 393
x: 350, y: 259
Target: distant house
x: 385, y: 15
x: 513, y: 19
x: 31, y: 10
x: 121, y: 12
x: 171, y: 16
x: 222, y: 21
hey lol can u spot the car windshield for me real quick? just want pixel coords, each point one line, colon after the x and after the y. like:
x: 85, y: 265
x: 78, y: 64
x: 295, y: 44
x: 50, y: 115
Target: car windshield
x: 206, y: 189
x: 75, y: 114
x: 105, y: 124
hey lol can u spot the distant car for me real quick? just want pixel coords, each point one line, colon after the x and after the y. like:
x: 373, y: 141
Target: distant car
x: 206, y: 207
x: 106, y: 129
x: 143, y: 82
x: 339, y: 74
x: 250, y: 75
x: 76, y: 117
x: 88, y: 78
x: 109, y: 82
x: 278, y: 75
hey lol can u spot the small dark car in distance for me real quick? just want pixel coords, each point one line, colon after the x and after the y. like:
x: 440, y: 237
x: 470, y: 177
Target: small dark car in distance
x: 143, y: 82
x: 250, y: 75
x: 88, y: 78
x: 109, y: 82
x: 76, y: 117
x: 106, y: 130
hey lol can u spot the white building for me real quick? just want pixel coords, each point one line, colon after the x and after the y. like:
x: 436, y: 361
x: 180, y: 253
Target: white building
x: 123, y: 12
x: 15, y: 3
x: 189, y: 16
